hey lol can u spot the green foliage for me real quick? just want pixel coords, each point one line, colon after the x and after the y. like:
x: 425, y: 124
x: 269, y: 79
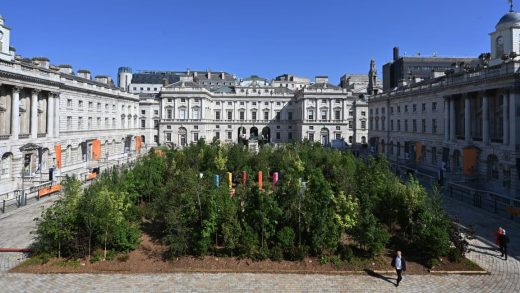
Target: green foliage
x: 344, y: 198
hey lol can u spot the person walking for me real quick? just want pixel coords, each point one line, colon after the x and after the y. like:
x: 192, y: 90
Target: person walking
x: 504, y: 240
x: 498, y: 238
x: 399, y: 263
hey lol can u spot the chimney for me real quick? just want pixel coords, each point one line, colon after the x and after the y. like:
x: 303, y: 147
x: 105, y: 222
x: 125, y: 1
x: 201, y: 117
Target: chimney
x: 165, y: 82
x: 222, y: 75
x: 102, y: 79
x: 209, y: 74
x: 65, y: 68
x: 83, y: 73
x: 43, y: 62
x: 396, y: 53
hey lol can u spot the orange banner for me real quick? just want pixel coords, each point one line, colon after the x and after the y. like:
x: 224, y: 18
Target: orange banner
x: 96, y: 149
x: 138, y: 143
x: 57, y: 150
x: 470, y: 161
x: 418, y: 152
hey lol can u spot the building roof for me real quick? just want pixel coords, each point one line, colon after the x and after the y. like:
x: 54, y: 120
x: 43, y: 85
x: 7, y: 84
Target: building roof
x: 323, y: 86
x: 510, y: 19
x: 185, y: 84
x: 157, y: 77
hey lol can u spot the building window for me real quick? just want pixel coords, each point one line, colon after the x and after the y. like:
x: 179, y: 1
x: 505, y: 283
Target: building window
x: 338, y: 135
x: 113, y: 122
x: 156, y: 138
x: 169, y: 113
x: 182, y: 113
x: 289, y: 116
x: 253, y: 115
x: 242, y: 115
x: 106, y: 123
x: 278, y: 135
x: 414, y: 107
x: 217, y: 115
x: 337, y: 115
x: 69, y: 122
x: 398, y: 109
x: 350, y: 125
x: 90, y: 105
x: 6, y: 166
x: 89, y: 123
x: 143, y: 112
x: 156, y: 124
x: 229, y: 115
x: 217, y: 135
x: 69, y: 103
x: 350, y: 139
x: 434, y: 106
x: 230, y: 103
x: 195, y: 137
x: 168, y: 136
x: 277, y: 115
x: 80, y: 104
x: 391, y: 125
x: 310, y: 115
x: 351, y: 113
x: 434, y: 125
x: 143, y: 123
x: 156, y: 112
x: 266, y: 115
x: 405, y: 125
x: 311, y: 136
x: 229, y: 135
x: 424, y: 107
x: 423, y: 126
x: 183, y: 100
x: 311, y: 127
x: 363, y: 124
x: 406, y: 108
x: 398, y: 125
x: 196, y: 114
x: 289, y: 135
x: 98, y: 121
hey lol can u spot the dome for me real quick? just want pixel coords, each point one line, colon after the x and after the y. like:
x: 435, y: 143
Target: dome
x: 510, y: 19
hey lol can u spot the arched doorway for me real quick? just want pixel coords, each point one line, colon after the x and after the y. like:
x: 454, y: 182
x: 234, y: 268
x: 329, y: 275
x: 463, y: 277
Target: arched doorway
x: 183, y: 136
x: 253, y: 133
x: 324, y: 134
x: 266, y: 134
x: 242, y: 134
x: 492, y: 167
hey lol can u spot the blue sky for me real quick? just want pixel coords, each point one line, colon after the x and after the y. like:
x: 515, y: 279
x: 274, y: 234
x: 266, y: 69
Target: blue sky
x: 267, y: 38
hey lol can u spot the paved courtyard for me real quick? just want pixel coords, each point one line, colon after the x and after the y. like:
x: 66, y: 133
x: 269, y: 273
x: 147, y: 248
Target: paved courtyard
x: 504, y: 276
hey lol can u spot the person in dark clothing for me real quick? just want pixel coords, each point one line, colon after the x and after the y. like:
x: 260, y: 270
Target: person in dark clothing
x: 504, y: 241
x: 399, y: 263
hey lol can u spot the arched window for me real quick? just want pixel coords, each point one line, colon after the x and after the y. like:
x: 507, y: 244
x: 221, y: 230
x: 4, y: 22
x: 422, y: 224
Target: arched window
x: 6, y: 165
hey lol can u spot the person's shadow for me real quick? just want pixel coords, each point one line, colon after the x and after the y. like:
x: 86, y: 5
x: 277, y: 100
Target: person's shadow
x: 379, y: 276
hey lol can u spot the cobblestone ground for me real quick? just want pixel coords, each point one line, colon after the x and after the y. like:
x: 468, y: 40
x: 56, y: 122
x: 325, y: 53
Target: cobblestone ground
x: 504, y: 275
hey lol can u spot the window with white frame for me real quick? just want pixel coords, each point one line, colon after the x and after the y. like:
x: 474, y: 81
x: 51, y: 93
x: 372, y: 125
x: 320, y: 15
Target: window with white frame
x: 196, y: 113
x: 6, y: 166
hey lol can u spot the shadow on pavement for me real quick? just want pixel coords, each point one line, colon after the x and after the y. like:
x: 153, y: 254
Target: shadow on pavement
x: 379, y: 276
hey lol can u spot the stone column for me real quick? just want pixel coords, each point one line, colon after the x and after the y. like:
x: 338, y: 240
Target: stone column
x: 485, y: 119
x: 34, y: 113
x: 467, y: 118
x: 15, y: 113
x: 446, y: 120
x: 57, y: 115
x: 202, y: 110
x: 505, y: 120
x: 188, y: 112
x: 50, y: 115
x: 453, y: 136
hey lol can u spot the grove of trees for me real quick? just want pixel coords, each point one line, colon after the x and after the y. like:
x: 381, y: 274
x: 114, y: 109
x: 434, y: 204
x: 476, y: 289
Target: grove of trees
x: 326, y: 203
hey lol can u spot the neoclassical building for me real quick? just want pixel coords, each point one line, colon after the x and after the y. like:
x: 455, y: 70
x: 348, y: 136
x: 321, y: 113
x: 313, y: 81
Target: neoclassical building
x: 55, y: 121
x: 186, y: 106
x: 465, y: 123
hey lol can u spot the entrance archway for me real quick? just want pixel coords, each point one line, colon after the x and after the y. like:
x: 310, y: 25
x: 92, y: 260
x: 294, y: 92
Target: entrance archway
x: 324, y: 134
x: 183, y: 136
x: 266, y: 134
x: 241, y: 134
x: 253, y: 133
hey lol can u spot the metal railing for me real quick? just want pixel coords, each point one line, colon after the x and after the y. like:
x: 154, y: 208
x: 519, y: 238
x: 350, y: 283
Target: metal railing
x: 486, y: 200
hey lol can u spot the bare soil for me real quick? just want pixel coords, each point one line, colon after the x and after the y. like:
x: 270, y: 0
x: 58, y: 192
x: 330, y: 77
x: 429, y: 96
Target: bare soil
x: 150, y: 258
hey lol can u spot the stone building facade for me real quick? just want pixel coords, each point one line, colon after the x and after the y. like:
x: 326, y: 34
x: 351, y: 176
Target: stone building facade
x: 465, y: 124
x: 54, y: 121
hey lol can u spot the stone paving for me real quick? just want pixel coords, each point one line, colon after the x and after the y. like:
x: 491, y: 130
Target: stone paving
x: 504, y: 276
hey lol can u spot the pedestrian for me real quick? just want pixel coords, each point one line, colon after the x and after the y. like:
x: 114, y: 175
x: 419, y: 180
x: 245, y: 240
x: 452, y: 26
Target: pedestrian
x: 399, y: 263
x: 504, y: 240
x: 498, y: 238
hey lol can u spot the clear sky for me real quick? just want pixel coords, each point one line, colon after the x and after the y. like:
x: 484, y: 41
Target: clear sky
x: 267, y: 38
